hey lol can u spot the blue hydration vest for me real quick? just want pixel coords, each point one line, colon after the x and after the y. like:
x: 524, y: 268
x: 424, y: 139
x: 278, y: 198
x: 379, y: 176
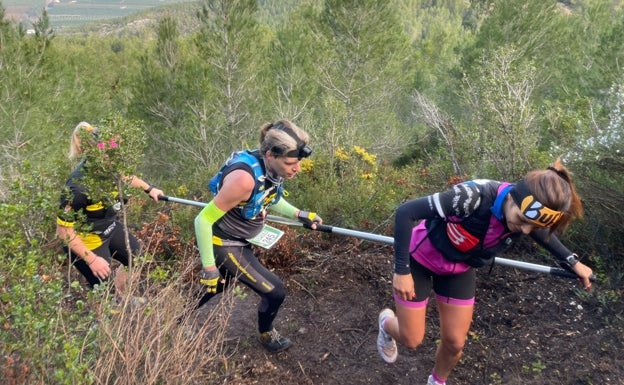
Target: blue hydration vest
x: 261, y: 199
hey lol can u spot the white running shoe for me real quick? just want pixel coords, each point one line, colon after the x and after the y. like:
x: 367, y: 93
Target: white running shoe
x: 431, y: 381
x: 386, y: 346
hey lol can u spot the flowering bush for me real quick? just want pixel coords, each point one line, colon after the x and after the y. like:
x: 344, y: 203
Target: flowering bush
x: 357, y: 161
x: 112, y: 152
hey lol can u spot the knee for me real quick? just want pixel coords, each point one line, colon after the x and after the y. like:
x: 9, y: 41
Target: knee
x: 454, y: 346
x: 277, y: 295
x: 411, y: 341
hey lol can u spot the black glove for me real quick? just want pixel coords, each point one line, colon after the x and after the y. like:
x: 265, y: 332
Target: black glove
x: 210, y: 278
x: 308, y: 218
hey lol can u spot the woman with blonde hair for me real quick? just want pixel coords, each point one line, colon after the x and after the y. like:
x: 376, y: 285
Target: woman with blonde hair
x: 250, y: 183
x: 89, y: 226
x: 461, y: 229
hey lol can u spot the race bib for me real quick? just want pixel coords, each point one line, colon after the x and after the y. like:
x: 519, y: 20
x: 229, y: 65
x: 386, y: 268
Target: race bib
x: 267, y: 237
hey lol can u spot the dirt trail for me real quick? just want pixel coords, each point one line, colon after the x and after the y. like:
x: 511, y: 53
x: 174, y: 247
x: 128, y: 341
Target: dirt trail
x: 528, y: 328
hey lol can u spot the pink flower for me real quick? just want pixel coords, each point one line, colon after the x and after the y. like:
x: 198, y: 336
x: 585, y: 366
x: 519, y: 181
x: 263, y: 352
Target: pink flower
x: 101, y: 145
x: 113, y: 144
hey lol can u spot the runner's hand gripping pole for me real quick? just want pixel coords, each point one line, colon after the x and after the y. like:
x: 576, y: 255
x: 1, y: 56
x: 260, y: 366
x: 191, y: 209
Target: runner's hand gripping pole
x: 308, y: 219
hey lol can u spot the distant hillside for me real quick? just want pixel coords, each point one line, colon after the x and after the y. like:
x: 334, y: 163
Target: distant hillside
x: 137, y: 23
x: 69, y: 14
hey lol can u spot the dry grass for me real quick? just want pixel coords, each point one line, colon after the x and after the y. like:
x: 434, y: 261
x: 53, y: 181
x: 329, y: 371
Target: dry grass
x: 151, y: 333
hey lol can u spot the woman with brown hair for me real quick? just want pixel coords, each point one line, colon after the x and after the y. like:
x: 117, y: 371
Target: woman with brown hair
x: 461, y: 229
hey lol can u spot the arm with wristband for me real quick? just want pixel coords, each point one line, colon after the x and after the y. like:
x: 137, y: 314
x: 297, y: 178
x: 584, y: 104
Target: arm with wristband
x: 309, y: 219
x: 151, y: 190
x: 567, y: 259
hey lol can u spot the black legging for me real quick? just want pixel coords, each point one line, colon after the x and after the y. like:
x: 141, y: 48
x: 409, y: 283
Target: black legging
x: 112, y: 247
x: 239, y: 263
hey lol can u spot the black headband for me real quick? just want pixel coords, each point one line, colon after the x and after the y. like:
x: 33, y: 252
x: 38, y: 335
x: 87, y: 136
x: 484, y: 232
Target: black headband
x: 519, y: 191
x: 302, y: 150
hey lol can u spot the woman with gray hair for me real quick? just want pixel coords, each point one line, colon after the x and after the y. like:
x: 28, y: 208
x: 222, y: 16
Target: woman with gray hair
x: 250, y: 183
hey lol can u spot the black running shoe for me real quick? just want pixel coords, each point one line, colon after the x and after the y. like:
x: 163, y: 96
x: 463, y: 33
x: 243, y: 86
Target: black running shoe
x: 274, y: 342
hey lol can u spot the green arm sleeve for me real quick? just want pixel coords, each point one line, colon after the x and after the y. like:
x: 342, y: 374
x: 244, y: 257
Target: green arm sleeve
x: 203, y: 232
x: 285, y: 209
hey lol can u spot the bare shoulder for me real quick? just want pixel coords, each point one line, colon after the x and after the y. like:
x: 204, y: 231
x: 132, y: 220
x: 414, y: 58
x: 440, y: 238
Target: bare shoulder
x: 240, y: 178
x: 237, y: 187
